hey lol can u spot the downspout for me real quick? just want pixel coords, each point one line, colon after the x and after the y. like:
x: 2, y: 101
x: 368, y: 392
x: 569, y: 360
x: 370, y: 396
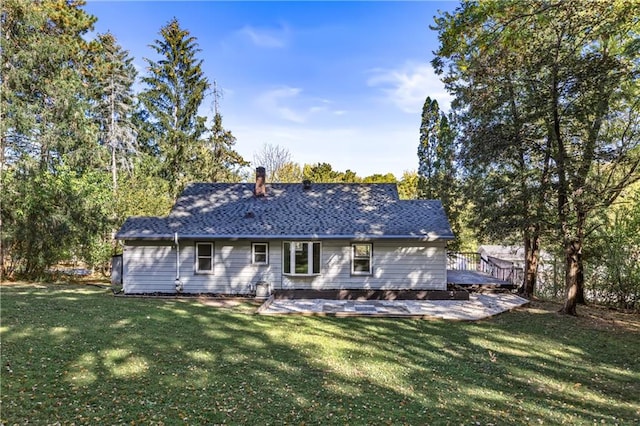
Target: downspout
x: 178, y: 282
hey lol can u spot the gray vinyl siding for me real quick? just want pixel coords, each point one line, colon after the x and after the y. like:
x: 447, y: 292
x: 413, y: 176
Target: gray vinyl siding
x: 233, y: 272
x: 150, y: 267
x: 396, y: 265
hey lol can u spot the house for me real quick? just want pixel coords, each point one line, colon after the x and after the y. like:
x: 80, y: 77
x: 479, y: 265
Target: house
x: 229, y: 238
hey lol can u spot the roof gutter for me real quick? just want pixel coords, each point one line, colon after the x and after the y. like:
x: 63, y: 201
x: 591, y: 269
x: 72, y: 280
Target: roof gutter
x: 363, y: 237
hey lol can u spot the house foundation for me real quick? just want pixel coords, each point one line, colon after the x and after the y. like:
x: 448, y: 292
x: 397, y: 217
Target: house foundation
x: 359, y: 294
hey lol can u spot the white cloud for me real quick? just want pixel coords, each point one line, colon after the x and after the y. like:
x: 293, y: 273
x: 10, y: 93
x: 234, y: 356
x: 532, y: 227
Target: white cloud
x: 407, y: 87
x: 289, y: 104
x: 265, y: 37
x: 274, y: 103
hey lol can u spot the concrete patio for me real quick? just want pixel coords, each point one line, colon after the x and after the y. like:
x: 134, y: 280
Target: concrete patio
x: 479, y: 306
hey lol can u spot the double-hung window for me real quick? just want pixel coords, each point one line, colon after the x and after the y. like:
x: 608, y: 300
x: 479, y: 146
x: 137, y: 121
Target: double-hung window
x: 204, y: 258
x: 301, y: 258
x: 260, y: 253
x: 361, y: 256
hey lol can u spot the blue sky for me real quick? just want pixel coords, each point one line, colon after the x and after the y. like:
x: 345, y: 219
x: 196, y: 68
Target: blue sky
x: 335, y: 82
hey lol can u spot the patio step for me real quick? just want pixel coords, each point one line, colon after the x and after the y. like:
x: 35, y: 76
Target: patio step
x: 357, y: 294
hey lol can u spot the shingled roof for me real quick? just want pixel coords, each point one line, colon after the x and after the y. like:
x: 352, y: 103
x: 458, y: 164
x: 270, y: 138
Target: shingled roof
x: 321, y: 211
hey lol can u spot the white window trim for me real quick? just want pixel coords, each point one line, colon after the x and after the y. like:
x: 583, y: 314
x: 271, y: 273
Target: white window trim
x: 353, y: 258
x: 292, y: 259
x: 198, y: 257
x: 253, y: 253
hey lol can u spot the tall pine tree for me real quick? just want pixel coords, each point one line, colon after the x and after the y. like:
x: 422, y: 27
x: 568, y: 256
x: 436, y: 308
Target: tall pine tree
x: 51, y: 204
x: 218, y: 161
x: 176, y: 87
x: 427, y: 149
x: 114, y: 103
x: 43, y: 87
x: 224, y: 162
x: 436, y: 162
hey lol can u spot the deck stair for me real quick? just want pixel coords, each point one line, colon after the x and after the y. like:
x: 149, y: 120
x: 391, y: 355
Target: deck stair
x: 472, y: 271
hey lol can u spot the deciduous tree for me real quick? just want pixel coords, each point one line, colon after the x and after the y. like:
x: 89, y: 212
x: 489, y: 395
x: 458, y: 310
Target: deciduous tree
x: 274, y: 159
x: 408, y: 186
x: 613, y: 270
x: 321, y: 172
x: 557, y: 104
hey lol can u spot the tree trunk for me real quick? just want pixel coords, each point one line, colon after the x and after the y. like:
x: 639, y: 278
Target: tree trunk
x: 532, y: 255
x: 2, y: 249
x: 112, y: 143
x: 580, y: 299
x: 572, y: 255
x: 114, y: 172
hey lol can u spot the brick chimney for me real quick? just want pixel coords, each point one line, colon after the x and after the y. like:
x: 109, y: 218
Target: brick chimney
x: 261, y: 188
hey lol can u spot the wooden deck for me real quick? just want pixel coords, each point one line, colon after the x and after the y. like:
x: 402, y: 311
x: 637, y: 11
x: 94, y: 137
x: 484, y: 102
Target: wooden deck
x: 475, y: 279
x: 471, y: 271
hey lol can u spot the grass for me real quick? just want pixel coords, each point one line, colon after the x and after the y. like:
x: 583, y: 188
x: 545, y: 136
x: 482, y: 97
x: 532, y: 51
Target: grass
x: 76, y: 354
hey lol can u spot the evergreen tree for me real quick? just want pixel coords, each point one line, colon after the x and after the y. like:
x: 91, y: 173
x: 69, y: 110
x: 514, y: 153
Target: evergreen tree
x: 436, y: 163
x: 43, y: 86
x: 219, y: 162
x: 176, y: 88
x: 427, y: 149
x: 349, y: 176
x: 436, y: 153
x: 114, y: 103
x: 51, y: 204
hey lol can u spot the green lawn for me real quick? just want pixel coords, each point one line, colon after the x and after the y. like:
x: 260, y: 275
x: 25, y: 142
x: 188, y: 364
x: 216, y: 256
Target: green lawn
x: 76, y: 354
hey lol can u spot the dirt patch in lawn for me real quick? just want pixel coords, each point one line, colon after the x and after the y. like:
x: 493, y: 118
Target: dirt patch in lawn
x: 95, y: 281
x: 592, y: 316
x: 221, y: 303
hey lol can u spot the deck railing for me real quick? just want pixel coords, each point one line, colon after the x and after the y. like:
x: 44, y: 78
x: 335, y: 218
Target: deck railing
x: 463, y: 261
x: 469, y: 261
x: 510, y: 274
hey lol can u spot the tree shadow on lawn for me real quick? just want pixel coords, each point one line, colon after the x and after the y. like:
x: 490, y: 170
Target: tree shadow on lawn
x: 72, y: 354
x: 519, y: 367
x: 83, y: 356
